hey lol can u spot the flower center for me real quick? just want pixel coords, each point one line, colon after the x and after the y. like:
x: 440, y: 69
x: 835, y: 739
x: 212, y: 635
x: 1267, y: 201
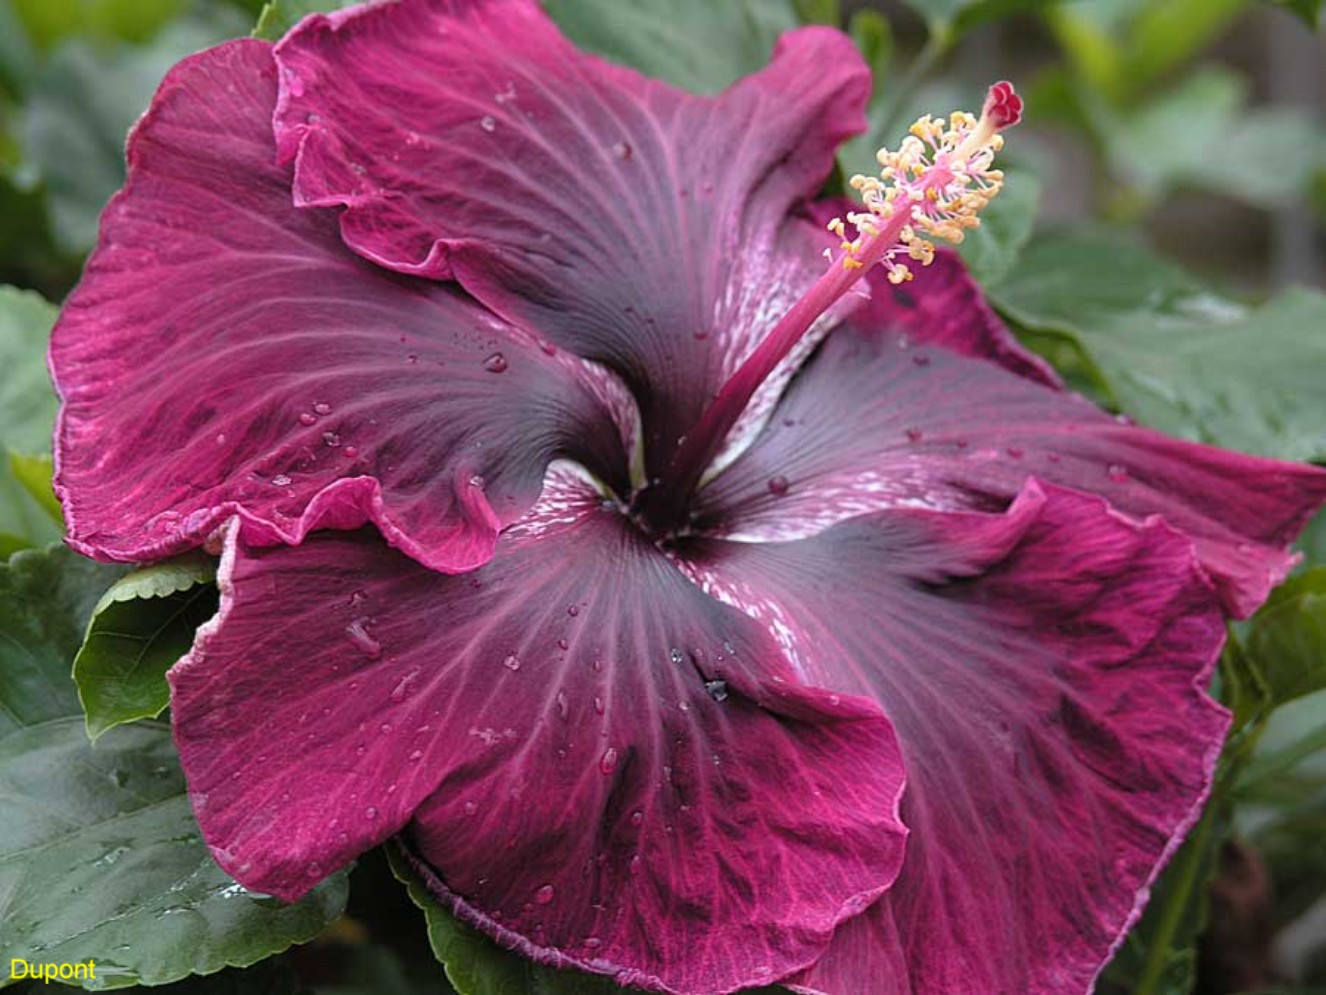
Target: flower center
x: 934, y: 186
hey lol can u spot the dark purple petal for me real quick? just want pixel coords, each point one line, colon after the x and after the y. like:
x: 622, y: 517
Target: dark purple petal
x: 226, y: 354
x: 604, y: 767
x: 1045, y: 669
x: 879, y: 419
x: 635, y: 224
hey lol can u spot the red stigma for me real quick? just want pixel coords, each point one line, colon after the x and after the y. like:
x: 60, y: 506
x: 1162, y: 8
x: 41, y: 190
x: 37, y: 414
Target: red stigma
x: 1003, y: 106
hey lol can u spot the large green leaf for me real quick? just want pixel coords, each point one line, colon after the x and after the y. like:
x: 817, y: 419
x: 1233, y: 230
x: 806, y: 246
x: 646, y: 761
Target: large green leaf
x: 27, y: 415
x: 1172, y: 353
x: 100, y: 856
x: 697, y: 44
x: 139, y: 628
x: 80, y: 109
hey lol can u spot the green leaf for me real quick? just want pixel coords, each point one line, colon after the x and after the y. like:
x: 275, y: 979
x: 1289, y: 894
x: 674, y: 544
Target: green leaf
x: 27, y: 403
x: 80, y: 109
x: 27, y: 417
x: 1287, y: 638
x: 1175, y: 355
x: 279, y: 16
x: 476, y: 965
x: 1187, y: 136
x: 33, y: 474
x: 46, y: 599
x: 139, y: 629
x: 696, y: 44
x: 100, y: 856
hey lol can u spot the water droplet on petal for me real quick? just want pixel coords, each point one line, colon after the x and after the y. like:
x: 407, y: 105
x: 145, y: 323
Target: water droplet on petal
x: 496, y: 363
x: 281, y: 480
x: 921, y: 359
x: 778, y: 485
x: 717, y: 690
x: 511, y: 663
x: 563, y: 708
x: 676, y: 655
x: 470, y: 808
x: 477, y: 481
x: 350, y: 452
x: 608, y: 762
x: 331, y: 440
x: 416, y: 756
x: 914, y: 435
x: 370, y: 812
x: 307, y: 418
x: 488, y: 123
x: 573, y: 610
x: 598, y: 704
x: 221, y: 439
x: 623, y: 151
x: 1015, y: 452
x: 1117, y: 473
x: 545, y: 894
x: 637, y: 817
x: 593, y: 942
x: 365, y: 643
x: 322, y: 409
x: 412, y: 358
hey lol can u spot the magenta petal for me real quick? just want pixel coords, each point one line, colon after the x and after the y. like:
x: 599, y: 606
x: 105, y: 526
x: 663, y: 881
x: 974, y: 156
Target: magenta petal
x: 1045, y: 670
x: 633, y: 223
x: 225, y: 354
x: 879, y: 419
x: 604, y: 767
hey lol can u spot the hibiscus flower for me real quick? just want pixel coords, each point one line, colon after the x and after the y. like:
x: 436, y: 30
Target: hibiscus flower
x: 883, y: 671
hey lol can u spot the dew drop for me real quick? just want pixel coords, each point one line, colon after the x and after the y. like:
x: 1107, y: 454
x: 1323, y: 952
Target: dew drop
x: 307, y: 418
x: 921, y: 359
x: 593, y: 942
x: 365, y: 643
x: 488, y: 123
x: 717, y: 690
x: 331, y: 439
x: 545, y: 894
x: 597, y: 666
x: 676, y: 655
x: 416, y: 756
x: 470, y: 808
x: 496, y: 363
x: 221, y: 439
x: 477, y: 481
x: 1117, y: 473
x: 960, y: 443
x: 562, y: 644
x: 637, y: 817
x: 598, y: 704
x: 412, y: 358
x: 322, y: 408
x: 623, y: 151
x: 608, y: 762
x: 573, y: 610
x: 563, y: 708
x: 370, y: 812
x: 914, y: 435
x: 1053, y: 457
x: 350, y: 452
x: 1015, y: 452
x: 281, y: 480
x: 778, y: 485
x: 511, y: 663
x: 635, y: 864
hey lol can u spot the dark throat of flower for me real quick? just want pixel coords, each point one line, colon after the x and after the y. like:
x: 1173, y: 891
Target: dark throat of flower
x: 934, y: 186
